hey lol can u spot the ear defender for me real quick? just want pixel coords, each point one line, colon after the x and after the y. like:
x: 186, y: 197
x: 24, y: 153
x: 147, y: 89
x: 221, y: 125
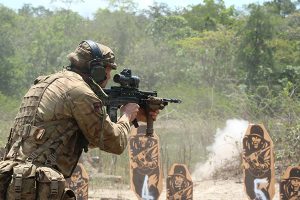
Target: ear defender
x: 98, y: 73
x: 96, y: 66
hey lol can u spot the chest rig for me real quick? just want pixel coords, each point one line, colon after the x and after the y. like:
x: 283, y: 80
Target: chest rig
x: 23, y: 142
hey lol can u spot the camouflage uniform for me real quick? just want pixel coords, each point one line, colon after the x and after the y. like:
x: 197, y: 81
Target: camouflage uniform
x: 60, y: 116
x: 68, y: 110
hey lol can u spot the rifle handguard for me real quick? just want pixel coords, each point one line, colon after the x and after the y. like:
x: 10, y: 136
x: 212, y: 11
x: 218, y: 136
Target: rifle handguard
x: 128, y: 92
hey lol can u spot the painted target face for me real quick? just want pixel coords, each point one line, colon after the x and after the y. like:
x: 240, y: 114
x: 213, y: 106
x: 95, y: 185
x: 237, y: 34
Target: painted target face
x: 258, y: 163
x: 145, y: 168
x: 179, y: 183
x: 78, y: 182
x: 290, y: 184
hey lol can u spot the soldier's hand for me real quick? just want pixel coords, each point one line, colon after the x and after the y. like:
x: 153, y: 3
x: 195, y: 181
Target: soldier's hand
x: 177, y: 196
x: 131, y: 110
x: 142, y: 116
x: 134, y: 165
x: 153, y: 179
x: 246, y: 165
x: 253, y: 157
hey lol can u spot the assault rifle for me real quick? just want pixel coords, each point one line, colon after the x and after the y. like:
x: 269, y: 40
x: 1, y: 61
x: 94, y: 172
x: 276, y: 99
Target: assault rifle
x: 128, y: 92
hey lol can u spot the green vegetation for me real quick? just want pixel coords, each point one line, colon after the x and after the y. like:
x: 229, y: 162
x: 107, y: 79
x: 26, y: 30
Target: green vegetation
x: 222, y: 62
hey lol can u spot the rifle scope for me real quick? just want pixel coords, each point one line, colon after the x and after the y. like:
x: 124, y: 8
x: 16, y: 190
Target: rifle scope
x: 126, y: 79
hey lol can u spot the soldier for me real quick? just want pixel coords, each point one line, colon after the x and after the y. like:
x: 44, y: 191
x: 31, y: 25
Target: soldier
x: 257, y: 158
x: 178, y: 186
x: 145, y: 153
x: 78, y: 182
x: 60, y: 116
x: 144, y: 164
x: 290, y: 188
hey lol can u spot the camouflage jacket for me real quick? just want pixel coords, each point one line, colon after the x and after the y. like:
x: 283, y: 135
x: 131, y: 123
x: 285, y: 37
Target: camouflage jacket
x: 59, y: 116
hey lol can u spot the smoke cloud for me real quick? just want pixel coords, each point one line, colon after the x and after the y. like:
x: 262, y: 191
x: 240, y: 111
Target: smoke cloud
x: 226, y: 149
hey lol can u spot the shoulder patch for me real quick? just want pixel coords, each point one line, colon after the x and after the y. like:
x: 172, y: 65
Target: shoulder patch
x: 97, y: 106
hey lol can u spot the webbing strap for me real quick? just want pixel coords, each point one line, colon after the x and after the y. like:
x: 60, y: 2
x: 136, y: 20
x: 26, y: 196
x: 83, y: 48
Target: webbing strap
x: 18, y: 183
x: 54, y: 187
x: 39, y: 150
x: 26, y: 128
x: 50, y: 80
x: 18, y: 186
x: 103, y: 97
x: 51, y: 159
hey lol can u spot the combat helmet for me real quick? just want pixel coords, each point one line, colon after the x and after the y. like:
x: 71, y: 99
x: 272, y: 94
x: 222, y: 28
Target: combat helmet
x: 256, y: 130
x: 179, y: 170
x: 295, y: 173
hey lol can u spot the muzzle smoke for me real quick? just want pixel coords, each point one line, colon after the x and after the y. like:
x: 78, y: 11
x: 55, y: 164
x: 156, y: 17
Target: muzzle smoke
x: 225, y: 150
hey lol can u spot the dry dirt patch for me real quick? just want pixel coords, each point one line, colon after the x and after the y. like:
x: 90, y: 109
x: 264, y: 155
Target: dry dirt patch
x: 203, y: 190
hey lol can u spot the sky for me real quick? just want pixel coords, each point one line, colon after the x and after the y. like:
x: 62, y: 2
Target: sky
x: 88, y: 7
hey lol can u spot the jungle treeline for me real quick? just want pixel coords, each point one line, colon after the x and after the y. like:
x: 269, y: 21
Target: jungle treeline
x: 222, y: 62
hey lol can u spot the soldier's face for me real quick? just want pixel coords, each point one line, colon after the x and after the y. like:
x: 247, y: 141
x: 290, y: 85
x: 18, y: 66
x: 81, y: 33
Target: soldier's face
x: 255, y: 141
x: 296, y: 184
x: 75, y: 177
x: 178, y: 180
x: 108, y: 76
x: 143, y: 141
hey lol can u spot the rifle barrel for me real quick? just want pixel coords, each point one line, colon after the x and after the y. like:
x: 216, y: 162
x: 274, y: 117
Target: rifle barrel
x: 172, y: 100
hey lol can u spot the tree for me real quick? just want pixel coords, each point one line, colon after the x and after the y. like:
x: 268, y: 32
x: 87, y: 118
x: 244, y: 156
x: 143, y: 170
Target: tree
x: 281, y: 7
x: 255, y: 54
x: 158, y: 10
x: 286, y: 44
x: 119, y: 29
x: 208, y: 16
x: 7, y: 27
x: 168, y: 28
x: 42, y: 41
x: 211, y: 53
x: 123, y: 5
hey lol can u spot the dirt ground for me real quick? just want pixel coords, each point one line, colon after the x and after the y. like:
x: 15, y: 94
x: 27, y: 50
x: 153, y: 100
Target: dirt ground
x: 203, y: 190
